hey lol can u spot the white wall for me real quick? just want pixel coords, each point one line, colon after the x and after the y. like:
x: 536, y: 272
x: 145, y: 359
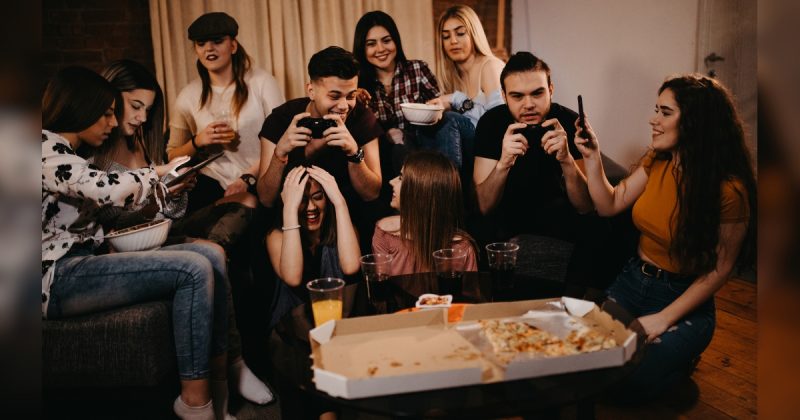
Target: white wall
x: 615, y: 53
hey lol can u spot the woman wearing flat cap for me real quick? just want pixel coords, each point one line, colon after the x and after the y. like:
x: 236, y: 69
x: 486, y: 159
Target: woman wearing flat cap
x: 223, y: 110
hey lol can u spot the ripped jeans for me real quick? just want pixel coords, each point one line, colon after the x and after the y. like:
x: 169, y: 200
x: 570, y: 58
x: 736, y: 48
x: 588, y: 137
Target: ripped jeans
x: 669, y: 357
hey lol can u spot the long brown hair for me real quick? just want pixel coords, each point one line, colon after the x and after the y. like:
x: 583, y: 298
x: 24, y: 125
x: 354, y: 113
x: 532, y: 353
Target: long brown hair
x: 327, y: 231
x: 241, y: 63
x: 431, y: 206
x: 711, y: 150
x: 125, y: 76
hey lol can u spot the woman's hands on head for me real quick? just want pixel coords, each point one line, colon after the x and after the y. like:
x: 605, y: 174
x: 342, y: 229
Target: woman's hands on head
x: 328, y: 184
x: 294, y: 188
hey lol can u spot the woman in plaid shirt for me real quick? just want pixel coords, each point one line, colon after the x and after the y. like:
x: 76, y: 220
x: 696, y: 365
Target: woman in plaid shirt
x: 391, y: 79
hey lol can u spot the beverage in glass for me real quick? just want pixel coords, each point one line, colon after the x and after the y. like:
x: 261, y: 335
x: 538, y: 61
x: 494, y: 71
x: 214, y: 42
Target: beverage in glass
x: 225, y: 115
x: 326, y: 299
x: 502, y: 263
x: 375, y: 268
x: 449, y: 264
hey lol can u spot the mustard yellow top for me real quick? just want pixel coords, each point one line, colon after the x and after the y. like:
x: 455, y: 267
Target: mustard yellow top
x: 655, y: 213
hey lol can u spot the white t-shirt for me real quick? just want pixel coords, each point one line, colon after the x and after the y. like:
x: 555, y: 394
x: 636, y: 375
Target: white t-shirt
x: 264, y: 95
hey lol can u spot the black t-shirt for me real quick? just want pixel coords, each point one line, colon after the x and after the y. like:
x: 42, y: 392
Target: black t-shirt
x: 361, y: 123
x: 535, y: 198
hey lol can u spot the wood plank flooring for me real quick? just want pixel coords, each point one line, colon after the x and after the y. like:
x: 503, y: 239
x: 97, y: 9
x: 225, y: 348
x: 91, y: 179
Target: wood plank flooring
x: 724, y: 384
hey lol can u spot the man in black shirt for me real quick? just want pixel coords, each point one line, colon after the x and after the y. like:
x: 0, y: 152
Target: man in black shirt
x: 531, y: 182
x: 348, y: 150
x: 528, y: 173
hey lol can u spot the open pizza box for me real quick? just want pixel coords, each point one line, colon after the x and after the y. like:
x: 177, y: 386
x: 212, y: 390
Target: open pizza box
x: 418, y: 351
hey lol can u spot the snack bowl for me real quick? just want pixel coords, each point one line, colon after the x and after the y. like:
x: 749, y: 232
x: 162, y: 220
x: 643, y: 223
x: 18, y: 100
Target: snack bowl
x: 141, y: 237
x: 421, y: 114
x: 430, y: 300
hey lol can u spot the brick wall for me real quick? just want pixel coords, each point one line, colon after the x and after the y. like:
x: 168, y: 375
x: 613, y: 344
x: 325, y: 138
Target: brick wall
x: 487, y: 11
x: 93, y: 33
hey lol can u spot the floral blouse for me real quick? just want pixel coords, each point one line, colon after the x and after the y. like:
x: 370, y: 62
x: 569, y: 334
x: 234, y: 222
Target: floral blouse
x: 73, y: 191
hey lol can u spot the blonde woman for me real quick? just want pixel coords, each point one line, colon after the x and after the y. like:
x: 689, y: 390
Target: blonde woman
x: 465, y: 65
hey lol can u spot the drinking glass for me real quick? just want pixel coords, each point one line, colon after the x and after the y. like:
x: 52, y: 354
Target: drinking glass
x: 449, y: 264
x: 326, y: 299
x: 225, y: 115
x: 375, y: 268
x: 502, y: 262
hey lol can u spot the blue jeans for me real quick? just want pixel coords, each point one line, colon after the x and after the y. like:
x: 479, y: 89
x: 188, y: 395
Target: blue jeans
x: 453, y: 136
x: 669, y: 357
x: 193, y: 275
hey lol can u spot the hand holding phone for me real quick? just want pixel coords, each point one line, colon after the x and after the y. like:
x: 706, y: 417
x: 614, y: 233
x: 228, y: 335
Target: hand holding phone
x: 193, y: 170
x: 582, y: 118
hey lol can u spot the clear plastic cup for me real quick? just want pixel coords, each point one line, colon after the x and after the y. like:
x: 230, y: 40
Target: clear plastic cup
x: 326, y: 299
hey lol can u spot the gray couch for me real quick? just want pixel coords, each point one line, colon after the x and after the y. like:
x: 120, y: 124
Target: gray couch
x: 130, y: 346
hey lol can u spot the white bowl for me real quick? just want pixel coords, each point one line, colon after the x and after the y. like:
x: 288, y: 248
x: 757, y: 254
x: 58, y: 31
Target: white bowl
x: 142, y: 237
x: 430, y: 300
x: 421, y: 114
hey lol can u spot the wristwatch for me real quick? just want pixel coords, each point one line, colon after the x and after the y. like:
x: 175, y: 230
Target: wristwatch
x: 250, y: 180
x: 358, y: 157
x: 466, y: 106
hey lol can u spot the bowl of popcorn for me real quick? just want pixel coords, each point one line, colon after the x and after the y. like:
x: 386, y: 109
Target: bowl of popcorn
x: 141, y: 237
x: 421, y: 114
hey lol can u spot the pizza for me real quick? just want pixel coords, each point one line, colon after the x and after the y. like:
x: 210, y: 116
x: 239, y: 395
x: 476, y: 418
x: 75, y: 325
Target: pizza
x: 509, y: 338
x: 588, y: 340
x: 434, y: 300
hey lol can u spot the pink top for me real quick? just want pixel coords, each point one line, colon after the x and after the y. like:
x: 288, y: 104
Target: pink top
x: 403, y: 262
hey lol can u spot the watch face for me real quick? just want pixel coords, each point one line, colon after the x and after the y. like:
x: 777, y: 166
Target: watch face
x: 467, y: 105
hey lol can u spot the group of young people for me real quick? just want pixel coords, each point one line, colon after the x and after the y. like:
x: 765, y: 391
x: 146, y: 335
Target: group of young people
x: 335, y: 196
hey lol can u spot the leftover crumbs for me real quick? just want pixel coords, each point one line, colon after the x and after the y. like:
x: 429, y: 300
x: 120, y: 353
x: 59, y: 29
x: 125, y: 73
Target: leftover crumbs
x: 463, y: 353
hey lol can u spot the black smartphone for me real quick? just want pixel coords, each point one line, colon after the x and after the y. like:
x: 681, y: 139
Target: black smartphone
x: 534, y: 133
x: 316, y: 125
x: 178, y: 179
x: 582, y: 118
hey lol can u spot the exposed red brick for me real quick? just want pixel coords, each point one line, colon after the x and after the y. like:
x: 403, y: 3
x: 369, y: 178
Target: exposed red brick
x: 92, y: 33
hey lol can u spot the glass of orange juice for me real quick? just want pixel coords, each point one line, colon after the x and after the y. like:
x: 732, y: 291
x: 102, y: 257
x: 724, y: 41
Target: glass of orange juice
x: 326, y: 299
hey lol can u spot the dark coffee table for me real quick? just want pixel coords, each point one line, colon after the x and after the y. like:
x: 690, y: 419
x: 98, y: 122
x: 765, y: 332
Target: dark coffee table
x: 290, y: 350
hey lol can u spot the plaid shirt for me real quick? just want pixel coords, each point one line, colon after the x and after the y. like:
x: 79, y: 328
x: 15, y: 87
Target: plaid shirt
x: 413, y: 82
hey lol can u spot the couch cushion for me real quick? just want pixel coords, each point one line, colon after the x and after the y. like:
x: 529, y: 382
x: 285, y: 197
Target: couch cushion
x: 542, y: 256
x: 130, y: 346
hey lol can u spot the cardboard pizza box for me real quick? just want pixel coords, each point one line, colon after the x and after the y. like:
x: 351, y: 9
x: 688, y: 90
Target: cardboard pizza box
x: 417, y: 351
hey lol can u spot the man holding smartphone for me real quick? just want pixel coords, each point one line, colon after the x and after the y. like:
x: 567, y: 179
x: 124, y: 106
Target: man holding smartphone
x: 348, y: 149
x: 331, y: 129
x: 524, y: 149
x: 529, y: 174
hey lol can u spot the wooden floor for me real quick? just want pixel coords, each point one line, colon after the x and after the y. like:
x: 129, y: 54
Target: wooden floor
x: 724, y: 384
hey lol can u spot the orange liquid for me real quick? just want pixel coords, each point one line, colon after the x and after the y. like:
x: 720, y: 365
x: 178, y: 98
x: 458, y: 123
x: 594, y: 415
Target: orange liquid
x: 326, y: 310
